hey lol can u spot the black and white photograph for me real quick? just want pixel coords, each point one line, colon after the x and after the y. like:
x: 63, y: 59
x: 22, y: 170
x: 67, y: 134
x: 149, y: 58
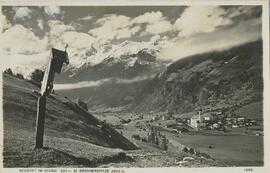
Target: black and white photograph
x: 134, y: 86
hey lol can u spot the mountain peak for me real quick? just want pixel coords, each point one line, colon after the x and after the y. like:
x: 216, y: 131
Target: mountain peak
x: 125, y: 51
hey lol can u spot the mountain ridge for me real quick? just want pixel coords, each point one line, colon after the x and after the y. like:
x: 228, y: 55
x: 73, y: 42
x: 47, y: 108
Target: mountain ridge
x: 213, y: 79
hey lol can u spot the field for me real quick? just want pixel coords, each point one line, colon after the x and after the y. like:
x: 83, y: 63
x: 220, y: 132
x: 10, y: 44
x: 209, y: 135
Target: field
x: 236, y: 150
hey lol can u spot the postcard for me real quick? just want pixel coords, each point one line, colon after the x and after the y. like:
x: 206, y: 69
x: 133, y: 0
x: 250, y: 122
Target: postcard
x: 134, y: 86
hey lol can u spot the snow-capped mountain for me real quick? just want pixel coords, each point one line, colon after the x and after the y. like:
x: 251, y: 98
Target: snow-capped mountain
x: 125, y: 67
x: 126, y: 60
x: 131, y: 53
x: 99, y: 52
x: 91, y: 56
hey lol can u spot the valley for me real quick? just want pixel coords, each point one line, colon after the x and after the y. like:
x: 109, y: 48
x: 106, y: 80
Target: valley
x: 200, y: 111
x: 134, y: 85
x: 73, y: 137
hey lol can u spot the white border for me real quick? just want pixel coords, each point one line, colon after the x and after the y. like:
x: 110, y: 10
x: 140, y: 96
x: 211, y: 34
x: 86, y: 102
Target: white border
x: 266, y: 71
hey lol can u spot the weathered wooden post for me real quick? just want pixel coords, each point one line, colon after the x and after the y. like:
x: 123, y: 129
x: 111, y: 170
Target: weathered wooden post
x: 57, y: 58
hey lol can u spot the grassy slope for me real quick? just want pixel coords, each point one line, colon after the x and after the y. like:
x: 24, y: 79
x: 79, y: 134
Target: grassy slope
x: 69, y: 134
x: 253, y: 111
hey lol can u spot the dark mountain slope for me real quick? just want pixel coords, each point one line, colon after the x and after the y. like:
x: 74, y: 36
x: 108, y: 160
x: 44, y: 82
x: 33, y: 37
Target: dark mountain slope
x: 108, y: 95
x: 217, y: 80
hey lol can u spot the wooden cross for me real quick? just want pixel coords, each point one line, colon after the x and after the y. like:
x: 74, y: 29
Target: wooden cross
x: 57, y: 58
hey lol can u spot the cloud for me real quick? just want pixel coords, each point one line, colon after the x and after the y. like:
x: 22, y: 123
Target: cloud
x: 200, y: 29
x: 126, y: 32
x: 77, y: 40
x: 114, y: 21
x: 52, y: 10
x: 119, y: 27
x: 155, y: 22
x: 19, y: 39
x: 243, y: 32
x: 86, y: 84
x: 132, y: 80
x: 86, y: 18
x: 22, y: 50
x: 149, y: 17
x: 83, y: 84
x: 77, y: 44
x: 155, y: 38
x: 5, y: 24
x: 159, y: 27
x: 57, y: 28
x: 198, y: 19
x: 40, y: 24
x: 22, y: 13
x: 25, y: 64
x: 61, y: 34
x: 113, y: 26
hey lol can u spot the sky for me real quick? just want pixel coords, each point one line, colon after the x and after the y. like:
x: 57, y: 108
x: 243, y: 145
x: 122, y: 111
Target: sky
x: 28, y: 33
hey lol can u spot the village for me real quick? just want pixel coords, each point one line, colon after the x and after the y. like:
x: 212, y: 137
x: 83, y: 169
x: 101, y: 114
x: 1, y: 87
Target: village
x: 167, y: 130
x: 208, y: 121
x: 200, y: 121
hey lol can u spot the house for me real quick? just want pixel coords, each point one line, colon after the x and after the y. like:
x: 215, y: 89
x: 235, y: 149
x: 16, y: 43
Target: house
x: 216, y: 125
x: 163, y: 117
x: 253, y: 122
x: 207, y: 118
x: 167, y: 117
x: 241, y: 119
x: 186, y: 120
x: 196, y: 120
x: 155, y: 117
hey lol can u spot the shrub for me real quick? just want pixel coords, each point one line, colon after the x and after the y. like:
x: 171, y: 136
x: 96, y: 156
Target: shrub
x: 164, y: 143
x: 37, y: 75
x: 185, y: 149
x: 191, y: 151
x: 82, y: 104
x: 144, y: 140
x: 136, y: 137
x: 8, y: 71
x: 20, y: 76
